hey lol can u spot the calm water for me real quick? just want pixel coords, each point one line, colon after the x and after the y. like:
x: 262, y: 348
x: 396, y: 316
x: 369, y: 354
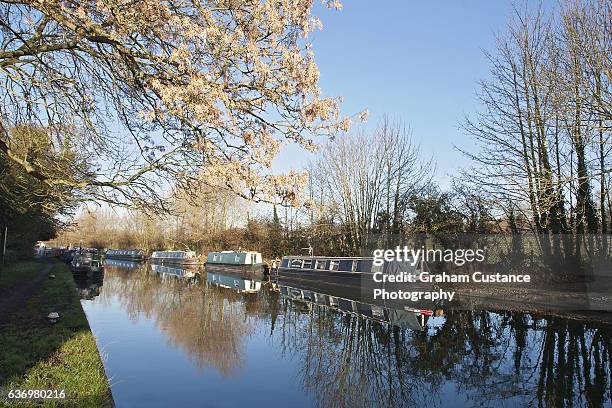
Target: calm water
x: 186, y: 341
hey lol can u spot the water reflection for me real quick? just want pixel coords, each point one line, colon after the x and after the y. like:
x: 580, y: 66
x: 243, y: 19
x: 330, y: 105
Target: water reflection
x: 307, y: 298
x: 122, y: 263
x: 174, y: 270
x: 305, y: 348
x: 233, y: 282
x: 89, y: 286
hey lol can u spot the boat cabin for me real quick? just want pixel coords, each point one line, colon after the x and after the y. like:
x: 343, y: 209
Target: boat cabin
x: 173, y: 255
x: 234, y: 258
x: 344, y: 264
x: 124, y: 253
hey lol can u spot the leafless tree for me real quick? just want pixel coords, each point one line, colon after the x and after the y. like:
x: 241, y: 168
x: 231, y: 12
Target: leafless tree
x: 361, y: 179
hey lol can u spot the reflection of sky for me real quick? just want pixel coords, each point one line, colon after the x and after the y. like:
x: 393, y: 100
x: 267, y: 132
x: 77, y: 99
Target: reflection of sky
x: 146, y: 370
x: 301, y: 362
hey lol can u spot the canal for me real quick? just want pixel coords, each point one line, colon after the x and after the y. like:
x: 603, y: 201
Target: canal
x: 171, y: 338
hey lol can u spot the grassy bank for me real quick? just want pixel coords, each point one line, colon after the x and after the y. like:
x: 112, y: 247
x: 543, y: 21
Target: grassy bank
x: 38, y: 355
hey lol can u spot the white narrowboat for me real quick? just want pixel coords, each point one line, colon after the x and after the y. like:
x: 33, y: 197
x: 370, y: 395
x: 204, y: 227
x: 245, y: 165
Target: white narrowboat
x: 175, y: 257
x: 245, y: 263
x: 239, y: 258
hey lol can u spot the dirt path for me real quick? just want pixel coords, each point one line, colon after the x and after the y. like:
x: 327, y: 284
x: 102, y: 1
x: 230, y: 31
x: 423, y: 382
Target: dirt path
x: 20, y: 293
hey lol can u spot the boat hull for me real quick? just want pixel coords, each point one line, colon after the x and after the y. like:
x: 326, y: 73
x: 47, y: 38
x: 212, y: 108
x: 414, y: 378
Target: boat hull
x: 126, y: 258
x: 351, y: 285
x: 240, y: 270
x: 343, y: 286
x: 175, y: 261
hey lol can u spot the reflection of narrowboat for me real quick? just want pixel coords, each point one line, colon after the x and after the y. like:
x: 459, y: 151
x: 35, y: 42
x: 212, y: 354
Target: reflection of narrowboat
x: 173, y: 270
x: 122, y: 263
x: 233, y: 282
x: 131, y: 254
x: 408, y: 318
x: 89, y: 287
x: 175, y: 257
x: 243, y: 262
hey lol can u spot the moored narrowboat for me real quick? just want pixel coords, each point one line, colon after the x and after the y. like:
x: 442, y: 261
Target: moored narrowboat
x: 324, y: 266
x: 244, y: 263
x: 347, y: 276
x: 88, y: 262
x: 175, y: 257
x: 342, y: 271
x: 130, y: 254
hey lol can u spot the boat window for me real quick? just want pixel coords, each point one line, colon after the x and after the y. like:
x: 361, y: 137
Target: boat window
x: 376, y: 268
x: 214, y: 257
x: 237, y: 258
x: 284, y: 262
x: 296, y: 263
x: 333, y: 265
x: 345, y: 265
x: 366, y: 265
x: 307, y: 264
x: 377, y: 311
x: 320, y: 264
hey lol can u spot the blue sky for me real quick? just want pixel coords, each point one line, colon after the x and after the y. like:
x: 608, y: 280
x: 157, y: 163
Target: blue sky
x: 415, y: 60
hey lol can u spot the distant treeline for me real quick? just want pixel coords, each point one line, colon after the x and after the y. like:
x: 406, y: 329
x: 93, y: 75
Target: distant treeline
x: 30, y: 207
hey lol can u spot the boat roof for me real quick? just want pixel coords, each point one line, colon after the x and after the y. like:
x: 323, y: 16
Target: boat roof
x: 233, y: 252
x: 326, y: 257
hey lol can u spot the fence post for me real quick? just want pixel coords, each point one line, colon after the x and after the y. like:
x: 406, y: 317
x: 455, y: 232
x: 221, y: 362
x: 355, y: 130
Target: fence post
x: 4, y: 245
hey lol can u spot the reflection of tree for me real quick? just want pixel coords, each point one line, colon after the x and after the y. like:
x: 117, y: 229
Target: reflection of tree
x: 350, y: 361
x: 543, y: 361
x: 521, y: 358
x: 208, y: 323
x: 346, y: 360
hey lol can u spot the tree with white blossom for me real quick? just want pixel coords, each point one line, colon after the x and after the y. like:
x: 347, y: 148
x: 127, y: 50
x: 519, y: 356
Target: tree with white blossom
x: 161, y: 94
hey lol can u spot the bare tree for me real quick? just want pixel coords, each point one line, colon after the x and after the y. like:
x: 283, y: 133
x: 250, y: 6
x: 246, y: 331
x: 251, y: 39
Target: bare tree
x: 360, y: 180
x: 543, y: 140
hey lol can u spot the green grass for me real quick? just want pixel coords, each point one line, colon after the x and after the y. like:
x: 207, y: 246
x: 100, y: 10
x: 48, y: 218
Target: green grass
x: 36, y: 354
x: 18, y: 272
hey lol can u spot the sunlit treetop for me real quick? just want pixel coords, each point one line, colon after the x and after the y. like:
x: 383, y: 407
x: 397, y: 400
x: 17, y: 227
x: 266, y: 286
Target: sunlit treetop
x: 166, y: 93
